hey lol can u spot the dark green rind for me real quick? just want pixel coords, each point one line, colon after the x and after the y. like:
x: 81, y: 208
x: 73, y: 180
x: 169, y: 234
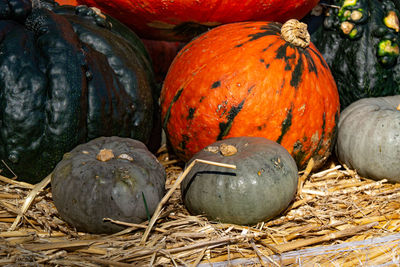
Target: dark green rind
x: 168, y: 114
x: 59, y: 89
x: 272, y: 28
x: 287, y: 122
x: 353, y: 61
x: 225, y: 127
x: 41, y: 97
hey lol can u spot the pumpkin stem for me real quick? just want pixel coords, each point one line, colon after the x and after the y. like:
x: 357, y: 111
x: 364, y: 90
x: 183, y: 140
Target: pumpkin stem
x: 295, y: 33
x: 105, y: 155
x: 227, y: 150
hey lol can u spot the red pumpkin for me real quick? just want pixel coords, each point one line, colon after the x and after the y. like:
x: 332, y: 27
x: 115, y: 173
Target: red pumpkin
x: 162, y: 53
x: 248, y: 79
x: 184, y: 19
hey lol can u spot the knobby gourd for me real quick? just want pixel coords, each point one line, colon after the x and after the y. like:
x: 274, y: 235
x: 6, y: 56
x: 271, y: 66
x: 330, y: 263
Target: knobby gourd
x: 360, y: 42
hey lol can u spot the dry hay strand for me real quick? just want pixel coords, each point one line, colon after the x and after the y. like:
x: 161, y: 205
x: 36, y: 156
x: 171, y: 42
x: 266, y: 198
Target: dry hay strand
x: 337, y: 219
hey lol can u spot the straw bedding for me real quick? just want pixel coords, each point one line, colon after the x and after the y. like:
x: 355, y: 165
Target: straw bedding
x: 337, y: 219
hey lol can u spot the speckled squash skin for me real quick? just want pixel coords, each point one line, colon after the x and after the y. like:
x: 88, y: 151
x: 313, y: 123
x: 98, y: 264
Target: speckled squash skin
x: 369, y: 137
x: 244, y: 79
x: 260, y: 188
x: 68, y: 75
x: 360, y: 41
x: 85, y: 189
x: 181, y: 20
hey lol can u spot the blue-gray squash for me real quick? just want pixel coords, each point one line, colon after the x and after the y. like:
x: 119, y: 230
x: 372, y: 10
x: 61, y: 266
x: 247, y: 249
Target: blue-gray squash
x: 369, y: 137
x: 260, y: 188
x: 108, y: 177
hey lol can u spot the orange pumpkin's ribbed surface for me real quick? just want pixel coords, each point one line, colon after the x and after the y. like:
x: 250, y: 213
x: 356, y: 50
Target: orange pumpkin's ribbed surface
x: 244, y: 79
x: 177, y: 19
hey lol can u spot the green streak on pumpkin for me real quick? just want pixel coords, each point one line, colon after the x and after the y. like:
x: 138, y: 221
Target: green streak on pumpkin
x: 285, y: 125
x: 297, y: 153
x: 321, y: 140
x: 321, y: 59
x: 225, y: 127
x: 310, y: 62
x: 168, y: 114
x: 191, y: 113
x: 261, y: 127
x: 281, y: 53
x: 297, y: 73
x: 183, y: 143
x: 272, y: 28
x: 216, y: 84
x: 268, y: 47
x: 265, y: 64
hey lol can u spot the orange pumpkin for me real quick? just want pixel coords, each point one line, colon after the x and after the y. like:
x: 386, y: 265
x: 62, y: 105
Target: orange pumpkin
x: 181, y: 20
x: 68, y: 2
x: 251, y: 79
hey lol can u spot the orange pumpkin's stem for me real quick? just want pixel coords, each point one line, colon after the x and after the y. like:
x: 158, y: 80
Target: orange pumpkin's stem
x: 295, y: 32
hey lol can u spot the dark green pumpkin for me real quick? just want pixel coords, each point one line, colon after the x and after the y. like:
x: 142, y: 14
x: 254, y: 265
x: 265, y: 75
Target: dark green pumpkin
x: 360, y: 42
x: 67, y: 75
x: 108, y: 177
x: 260, y: 188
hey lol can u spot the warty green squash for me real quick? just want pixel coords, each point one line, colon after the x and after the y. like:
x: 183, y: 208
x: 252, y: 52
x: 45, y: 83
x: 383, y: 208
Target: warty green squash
x: 360, y: 40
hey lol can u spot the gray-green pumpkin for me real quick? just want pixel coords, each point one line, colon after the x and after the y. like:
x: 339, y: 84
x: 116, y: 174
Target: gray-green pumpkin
x: 369, y: 137
x: 260, y: 188
x: 108, y: 177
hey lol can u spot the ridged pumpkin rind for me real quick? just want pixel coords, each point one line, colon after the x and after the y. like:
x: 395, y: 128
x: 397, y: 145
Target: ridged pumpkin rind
x: 65, y: 79
x: 243, y: 79
x: 260, y: 188
x: 181, y: 20
x: 86, y: 190
x: 369, y: 137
